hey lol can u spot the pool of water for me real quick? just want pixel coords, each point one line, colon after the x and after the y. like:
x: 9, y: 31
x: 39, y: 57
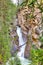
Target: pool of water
x: 22, y: 60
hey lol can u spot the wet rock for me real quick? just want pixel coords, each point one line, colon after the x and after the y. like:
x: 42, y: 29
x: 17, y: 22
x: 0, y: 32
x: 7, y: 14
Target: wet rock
x: 14, y: 49
x: 29, y: 22
x: 14, y: 45
x: 27, y: 50
x: 24, y: 37
x: 14, y: 41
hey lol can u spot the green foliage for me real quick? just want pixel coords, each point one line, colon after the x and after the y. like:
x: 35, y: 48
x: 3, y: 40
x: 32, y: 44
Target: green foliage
x: 32, y: 3
x: 23, y: 4
x: 37, y: 56
x: 15, y: 61
x: 7, y: 12
x: 41, y: 38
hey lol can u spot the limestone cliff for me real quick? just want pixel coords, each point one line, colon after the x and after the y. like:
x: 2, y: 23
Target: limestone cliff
x: 29, y: 19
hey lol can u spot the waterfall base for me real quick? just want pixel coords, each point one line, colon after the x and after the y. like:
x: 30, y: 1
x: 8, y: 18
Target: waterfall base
x: 22, y: 60
x: 20, y: 54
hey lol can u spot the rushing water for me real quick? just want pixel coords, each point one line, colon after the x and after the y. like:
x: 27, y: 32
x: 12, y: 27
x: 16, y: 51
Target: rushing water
x: 22, y: 49
x: 21, y: 42
x: 20, y: 53
x: 17, y: 1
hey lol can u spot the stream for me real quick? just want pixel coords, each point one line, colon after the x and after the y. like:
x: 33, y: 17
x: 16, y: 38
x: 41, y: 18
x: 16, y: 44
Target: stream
x: 21, y: 42
x: 20, y: 53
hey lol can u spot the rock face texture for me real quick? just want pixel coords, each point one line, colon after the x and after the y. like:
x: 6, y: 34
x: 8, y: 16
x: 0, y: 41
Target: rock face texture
x: 14, y: 38
x: 29, y: 20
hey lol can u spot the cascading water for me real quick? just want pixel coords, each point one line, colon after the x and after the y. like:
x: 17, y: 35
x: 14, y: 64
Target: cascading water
x: 20, y: 54
x: 22, y: 49
x: 17, y: 1
x: 21, y: 42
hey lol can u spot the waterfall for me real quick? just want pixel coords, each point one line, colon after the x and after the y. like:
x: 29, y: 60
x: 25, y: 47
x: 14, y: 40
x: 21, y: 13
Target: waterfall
x: 21, y: 42
x: 17, y: 1
x: 20, y: 54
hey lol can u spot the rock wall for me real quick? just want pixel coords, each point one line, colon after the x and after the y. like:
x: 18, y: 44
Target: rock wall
x: 29, y: 19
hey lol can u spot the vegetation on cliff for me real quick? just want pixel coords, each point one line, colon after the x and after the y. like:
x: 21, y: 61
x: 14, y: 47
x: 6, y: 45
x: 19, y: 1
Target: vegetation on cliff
x: 7, y: 12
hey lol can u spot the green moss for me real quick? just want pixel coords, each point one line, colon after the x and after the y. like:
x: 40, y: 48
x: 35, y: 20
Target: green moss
x: 37, y: 56
x: 7, y: 11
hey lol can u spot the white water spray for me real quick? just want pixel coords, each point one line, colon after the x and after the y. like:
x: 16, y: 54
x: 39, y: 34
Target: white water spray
x: 22, y: 49
x: 20, y: 54
x: 21, y: 42
x: 17, y: 1
x: 14, y: 1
